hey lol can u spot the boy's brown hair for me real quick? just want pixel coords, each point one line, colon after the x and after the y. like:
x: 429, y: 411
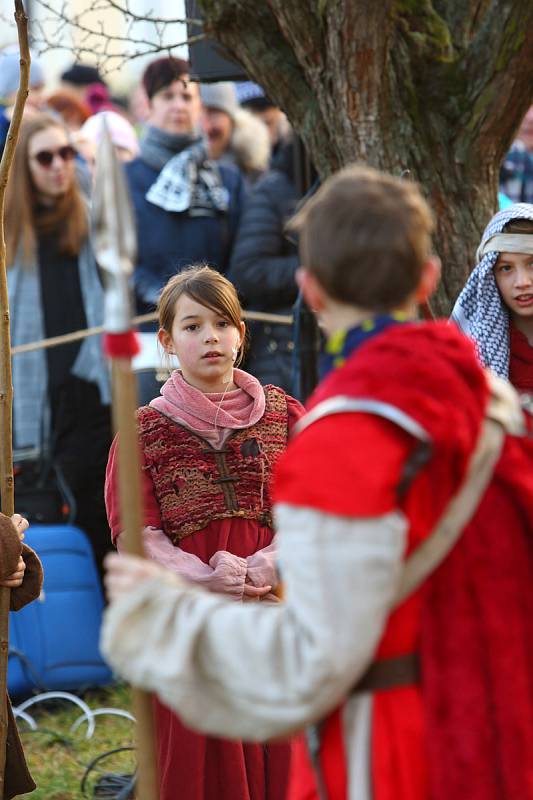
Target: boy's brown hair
x: 208, y: 288
x: 365, y: 236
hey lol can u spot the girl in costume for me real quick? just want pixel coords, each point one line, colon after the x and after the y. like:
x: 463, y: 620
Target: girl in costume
x: 209, y: 444
x: 495, y: 307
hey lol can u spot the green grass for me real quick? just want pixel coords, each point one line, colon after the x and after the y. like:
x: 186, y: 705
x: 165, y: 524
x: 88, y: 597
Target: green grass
x: 58, y: 758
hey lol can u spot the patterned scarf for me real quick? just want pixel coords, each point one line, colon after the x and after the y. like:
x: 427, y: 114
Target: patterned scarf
x: 480, y: 311
x: 212, y: 413
x: 158, y: 147
x: 188, y: 181
x: 342, y: 343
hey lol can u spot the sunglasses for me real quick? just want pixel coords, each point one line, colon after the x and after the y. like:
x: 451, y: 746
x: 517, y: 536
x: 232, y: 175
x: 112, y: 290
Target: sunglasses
x: 46, y: 157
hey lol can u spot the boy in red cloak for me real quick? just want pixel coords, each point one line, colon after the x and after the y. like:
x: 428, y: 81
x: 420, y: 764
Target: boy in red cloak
x: 424, y: 695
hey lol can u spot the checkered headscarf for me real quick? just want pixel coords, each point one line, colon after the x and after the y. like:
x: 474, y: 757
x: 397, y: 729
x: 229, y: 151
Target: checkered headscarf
x: 480, y: 311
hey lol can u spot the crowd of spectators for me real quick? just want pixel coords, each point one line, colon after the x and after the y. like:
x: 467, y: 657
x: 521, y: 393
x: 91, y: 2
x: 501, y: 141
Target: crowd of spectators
x: 211, y: 175
x: 202, y: 170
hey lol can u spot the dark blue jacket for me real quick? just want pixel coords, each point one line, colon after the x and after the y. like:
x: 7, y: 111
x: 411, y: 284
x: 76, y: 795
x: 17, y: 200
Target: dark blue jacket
x: 169, y: 241
x: 4, y: 127
x: 263, y: 267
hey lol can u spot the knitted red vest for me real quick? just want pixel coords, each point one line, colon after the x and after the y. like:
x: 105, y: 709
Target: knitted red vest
x: 194, y: 483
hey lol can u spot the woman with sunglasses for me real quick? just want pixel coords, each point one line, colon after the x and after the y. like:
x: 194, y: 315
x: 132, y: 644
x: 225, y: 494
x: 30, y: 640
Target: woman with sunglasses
x: 61, y: 394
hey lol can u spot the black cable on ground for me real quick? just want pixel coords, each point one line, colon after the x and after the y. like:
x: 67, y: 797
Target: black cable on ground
x: 110, y: 786
x: 115, y: 787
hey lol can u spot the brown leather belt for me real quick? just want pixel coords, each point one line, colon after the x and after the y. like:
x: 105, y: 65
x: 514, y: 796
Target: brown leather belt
x: 390, y: 673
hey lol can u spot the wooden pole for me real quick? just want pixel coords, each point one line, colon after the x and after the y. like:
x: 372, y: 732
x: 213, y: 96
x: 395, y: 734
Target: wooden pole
x: 6, y: 385
x: 129, y: 485
x: 114, y: 241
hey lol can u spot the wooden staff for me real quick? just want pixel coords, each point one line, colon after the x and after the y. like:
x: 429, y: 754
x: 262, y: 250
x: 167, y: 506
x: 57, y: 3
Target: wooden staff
x: 114, y: 239
x: 6, y: 385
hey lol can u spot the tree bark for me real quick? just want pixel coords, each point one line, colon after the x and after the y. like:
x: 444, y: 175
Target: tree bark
x: 435, y: 87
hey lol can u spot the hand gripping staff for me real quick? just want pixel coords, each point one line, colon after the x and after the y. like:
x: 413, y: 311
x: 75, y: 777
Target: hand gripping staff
x: 6, y: 383
x: 114, y: 241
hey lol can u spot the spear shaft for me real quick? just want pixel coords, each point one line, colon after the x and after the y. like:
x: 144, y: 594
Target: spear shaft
x: 6, y: 384
x: 124, y: 405
x: 113, y: 233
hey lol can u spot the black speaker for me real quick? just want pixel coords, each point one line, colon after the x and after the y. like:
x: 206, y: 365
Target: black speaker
x: 210, y: 62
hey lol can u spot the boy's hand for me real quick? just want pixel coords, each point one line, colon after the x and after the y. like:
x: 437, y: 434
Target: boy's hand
x: 20, y: 524
x: 124, y: 573
x: 15, y: 580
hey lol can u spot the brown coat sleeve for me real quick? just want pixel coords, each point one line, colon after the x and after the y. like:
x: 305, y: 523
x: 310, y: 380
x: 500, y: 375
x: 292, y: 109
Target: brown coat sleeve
x: 17, y: 778
x: 10, y: 547
x: 32, y: 583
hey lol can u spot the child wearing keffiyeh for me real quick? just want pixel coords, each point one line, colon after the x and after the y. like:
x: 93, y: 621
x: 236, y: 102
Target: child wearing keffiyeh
x: 495, y: 307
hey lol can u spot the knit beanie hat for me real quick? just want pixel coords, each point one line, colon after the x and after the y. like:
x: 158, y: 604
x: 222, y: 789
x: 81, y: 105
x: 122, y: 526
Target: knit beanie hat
x: 220, y: 96
x: 82, y: 75
x: 162, y: 72
x: 10, y: 72
x: 98, y: 99
x: 251, y: 96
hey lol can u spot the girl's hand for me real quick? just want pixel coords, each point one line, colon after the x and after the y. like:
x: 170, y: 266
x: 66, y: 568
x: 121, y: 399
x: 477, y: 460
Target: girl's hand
x: 270, y: 598
x: 15, y: 580
x: 20, y: 524
x: 124, y: 573
x: 253, y: 593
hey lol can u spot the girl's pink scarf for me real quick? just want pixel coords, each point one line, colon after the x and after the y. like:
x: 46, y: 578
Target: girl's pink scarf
x: 216, y: 414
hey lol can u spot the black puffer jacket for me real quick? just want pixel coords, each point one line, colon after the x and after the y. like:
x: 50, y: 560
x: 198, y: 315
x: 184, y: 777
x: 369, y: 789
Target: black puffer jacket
x: 263, y: 265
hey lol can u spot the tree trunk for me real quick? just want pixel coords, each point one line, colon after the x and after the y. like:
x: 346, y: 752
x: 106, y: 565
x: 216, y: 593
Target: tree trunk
x: 435, y: 88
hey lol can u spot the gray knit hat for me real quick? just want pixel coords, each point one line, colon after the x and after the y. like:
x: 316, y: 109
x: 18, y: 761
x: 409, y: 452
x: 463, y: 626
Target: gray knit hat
x: 10, y: 75
x: 221, y: 96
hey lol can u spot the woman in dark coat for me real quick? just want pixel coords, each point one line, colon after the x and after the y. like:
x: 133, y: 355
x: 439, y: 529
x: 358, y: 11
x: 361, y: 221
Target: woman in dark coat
x: 187, y: 208
x: 263, y: 265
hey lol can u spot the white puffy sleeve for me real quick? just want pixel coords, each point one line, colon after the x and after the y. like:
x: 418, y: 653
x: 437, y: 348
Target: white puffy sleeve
x: 257, y: 671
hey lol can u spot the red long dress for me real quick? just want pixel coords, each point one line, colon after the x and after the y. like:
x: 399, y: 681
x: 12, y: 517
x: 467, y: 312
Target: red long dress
x: 193, y: 766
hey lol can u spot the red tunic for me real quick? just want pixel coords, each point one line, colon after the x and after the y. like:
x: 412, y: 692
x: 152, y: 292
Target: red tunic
x: 193, y: 766
x: 467, y: 731
x: 520, y: 361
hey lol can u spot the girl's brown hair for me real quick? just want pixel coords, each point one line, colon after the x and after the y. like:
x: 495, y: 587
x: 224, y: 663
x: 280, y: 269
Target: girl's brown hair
x: 207, y: 287
x: 24, y: 220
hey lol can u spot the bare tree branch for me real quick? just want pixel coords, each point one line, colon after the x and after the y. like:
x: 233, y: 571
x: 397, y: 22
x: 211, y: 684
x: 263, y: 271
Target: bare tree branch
x: 436, y: 88
x: 87, y: 37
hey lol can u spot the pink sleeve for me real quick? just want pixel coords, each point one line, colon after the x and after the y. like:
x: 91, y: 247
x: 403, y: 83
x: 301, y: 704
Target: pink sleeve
x: 295, y: 410
x: 152, y: 516
x: 225, y: 572
x: 261, y: 567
